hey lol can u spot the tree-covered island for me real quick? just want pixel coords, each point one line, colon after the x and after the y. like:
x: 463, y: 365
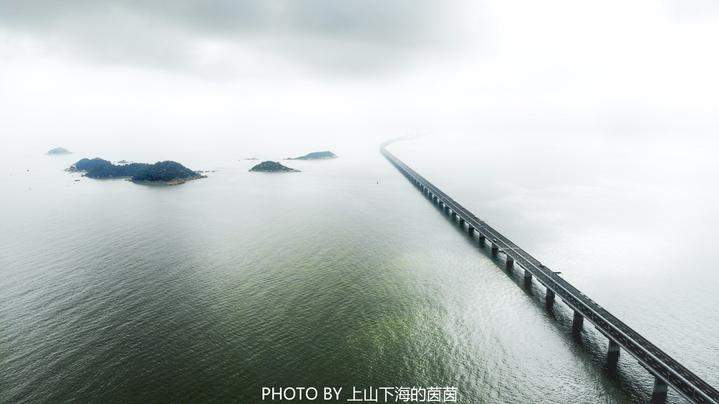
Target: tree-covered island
x: 162, y: 172
x: 320, y: 155
x: 272, y: 167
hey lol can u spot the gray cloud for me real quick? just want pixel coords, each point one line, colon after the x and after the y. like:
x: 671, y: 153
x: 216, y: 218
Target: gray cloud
x: 346, y: 35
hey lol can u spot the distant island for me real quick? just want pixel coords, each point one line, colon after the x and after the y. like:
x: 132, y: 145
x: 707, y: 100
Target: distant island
x: 162, y: 172
x: 320, y: 155
x: 272, y: 167
x: 58, y: 150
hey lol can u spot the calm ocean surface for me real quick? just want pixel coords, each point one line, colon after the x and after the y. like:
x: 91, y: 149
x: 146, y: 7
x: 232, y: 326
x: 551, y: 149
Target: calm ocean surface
x: 343, y: 275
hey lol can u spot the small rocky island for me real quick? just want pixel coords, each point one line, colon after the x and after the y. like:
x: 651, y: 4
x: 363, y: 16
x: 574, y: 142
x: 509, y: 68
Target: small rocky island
x: 162, y: 172
x: 272, y: 167
x: 58, y: 151
x: 320, y: 155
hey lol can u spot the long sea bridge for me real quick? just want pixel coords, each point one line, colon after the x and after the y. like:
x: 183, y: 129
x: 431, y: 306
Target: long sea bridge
x: 666, y: 371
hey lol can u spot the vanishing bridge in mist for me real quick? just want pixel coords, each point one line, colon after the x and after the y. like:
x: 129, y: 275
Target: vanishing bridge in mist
x: 666, y: 370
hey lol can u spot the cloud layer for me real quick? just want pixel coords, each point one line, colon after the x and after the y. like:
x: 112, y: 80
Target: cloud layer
x: 340, y: 35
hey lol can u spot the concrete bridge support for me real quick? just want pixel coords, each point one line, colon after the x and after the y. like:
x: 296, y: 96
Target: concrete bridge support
x: 659, y: 394
x: 470, y: 230
x: 549, y: 300
x: 510, y: 263
x: 454, y: 215
x: 461, y: 222
x: 612, y: 355
x: 577, y: 323
x: 481, y: 239
x: 495, y: 250
x: 527, y: 279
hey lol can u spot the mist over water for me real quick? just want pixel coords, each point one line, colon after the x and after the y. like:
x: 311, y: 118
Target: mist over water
x: 344, y: 275
x: 585, y: 132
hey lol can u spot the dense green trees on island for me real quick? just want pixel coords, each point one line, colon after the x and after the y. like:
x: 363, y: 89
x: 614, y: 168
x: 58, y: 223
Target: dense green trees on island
x: 168, y: 172
x: 320, y: 155
x: 272, y: 167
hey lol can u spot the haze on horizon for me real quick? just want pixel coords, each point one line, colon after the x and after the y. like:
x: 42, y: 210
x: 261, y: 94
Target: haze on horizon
x: 223, y: 72
x: 584, y: 131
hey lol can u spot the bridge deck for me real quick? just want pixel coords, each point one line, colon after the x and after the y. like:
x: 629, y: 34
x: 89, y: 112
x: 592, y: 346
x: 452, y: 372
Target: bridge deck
x: 656, y: 361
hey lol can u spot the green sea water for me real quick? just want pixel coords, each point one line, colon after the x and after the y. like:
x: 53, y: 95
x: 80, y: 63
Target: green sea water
x: 340, y: 275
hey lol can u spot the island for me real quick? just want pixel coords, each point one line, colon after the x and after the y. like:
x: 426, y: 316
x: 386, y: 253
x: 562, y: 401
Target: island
x: 162, y: 172
x: 272, y: 167
x: 320, y: 155
x: 58, y: 151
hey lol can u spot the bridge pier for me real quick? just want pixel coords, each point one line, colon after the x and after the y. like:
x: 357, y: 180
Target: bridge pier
x: 549, y: 300
x: 612, y: 355
x: 527, y: 279
x: 470, y: 230
x: 659, y: 394
x: 481, y: 239
x: 510, y: 263
x: 454, y: 215
x: 577, y: 323
x: 461, y: 222
x: 495, y: 250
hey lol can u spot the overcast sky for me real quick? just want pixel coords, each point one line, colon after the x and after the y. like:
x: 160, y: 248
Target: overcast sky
x: 73, y: 70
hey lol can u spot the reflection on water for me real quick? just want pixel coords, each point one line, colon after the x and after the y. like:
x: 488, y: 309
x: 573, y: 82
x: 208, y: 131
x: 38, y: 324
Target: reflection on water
x: 343, y: 275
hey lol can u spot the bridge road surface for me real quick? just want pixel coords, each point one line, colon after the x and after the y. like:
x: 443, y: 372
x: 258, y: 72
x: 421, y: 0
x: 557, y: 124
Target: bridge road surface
x: 664, y: 368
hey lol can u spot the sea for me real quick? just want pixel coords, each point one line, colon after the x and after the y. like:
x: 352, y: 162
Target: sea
x: 344, y: 275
